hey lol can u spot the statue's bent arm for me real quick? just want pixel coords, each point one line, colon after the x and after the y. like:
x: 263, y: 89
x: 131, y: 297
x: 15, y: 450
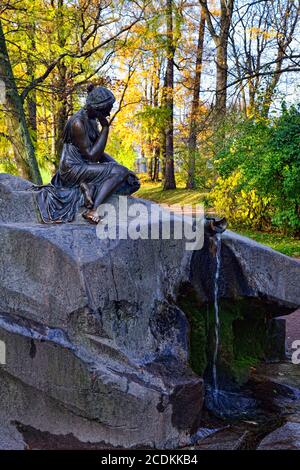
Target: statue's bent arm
x: 108, y: 158
x: 80, y: 139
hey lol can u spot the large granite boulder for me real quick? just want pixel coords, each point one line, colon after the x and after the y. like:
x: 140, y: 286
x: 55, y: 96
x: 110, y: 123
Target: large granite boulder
x: 98, y: 341
x: 93, y: 326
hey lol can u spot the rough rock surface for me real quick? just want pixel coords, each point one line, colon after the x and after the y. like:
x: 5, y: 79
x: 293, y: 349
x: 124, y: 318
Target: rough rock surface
x: 97, y: 347
x: 286, y: 437
x: 249, y: 269
x: 93, y: 325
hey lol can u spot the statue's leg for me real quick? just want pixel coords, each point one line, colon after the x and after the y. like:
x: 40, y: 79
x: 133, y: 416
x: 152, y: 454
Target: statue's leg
x: 88, y: 200
x: 118, y: 175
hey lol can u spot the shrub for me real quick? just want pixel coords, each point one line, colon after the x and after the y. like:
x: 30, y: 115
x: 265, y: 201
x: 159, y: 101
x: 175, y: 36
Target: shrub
x: 238, y: 205
x: 258, y: 164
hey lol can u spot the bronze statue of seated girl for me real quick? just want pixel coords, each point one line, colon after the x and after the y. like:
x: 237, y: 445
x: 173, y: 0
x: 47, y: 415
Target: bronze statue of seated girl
x: 86, y: 174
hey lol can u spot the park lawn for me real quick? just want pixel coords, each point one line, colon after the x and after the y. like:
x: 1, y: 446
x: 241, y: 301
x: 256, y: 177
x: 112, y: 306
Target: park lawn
x: 153, y: 191
x: 285, y: 244
x: 180, y: 195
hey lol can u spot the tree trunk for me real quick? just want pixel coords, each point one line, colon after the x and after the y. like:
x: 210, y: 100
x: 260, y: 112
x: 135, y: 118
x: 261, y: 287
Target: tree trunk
x: 23, y: 146
x: 163, y: 140
x: 155, y: 175
x: 62, y: 86
x: 169, y: 177
x: 290, y: 16
x: 31, y: 98
x: 32, y: 114
x: 221, y: 79
x: 156, y: 143
x: 192, y: 141
x: 269, y: 93
x: 62, y: 111
x: 220, y: 39
x: 163, y: 155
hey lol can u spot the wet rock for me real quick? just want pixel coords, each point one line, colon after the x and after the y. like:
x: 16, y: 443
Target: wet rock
x: 34, y: 439
x: 229, y: 405
x: 256, y: 285
x: 249, y: 270
x: 286, y: 437
x: 230, y: 438
x: 277, y: 339
x: 10, y: 437
x: 285, y: 373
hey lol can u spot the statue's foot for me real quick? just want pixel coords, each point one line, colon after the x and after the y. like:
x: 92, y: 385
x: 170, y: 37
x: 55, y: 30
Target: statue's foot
x: 91, y: 216
x: 88, y: 201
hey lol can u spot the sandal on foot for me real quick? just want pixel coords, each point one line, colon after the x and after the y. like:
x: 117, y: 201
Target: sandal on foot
x: 92, y: 219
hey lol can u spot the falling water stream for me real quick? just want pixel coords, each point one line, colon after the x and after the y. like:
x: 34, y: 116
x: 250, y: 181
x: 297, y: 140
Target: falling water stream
x: 223, y: 402
x: 241, y: 406
x: 218, y: 244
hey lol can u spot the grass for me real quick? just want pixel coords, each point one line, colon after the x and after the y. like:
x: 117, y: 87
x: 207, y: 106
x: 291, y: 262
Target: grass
x: 287, y: 245
x: 154, y: 192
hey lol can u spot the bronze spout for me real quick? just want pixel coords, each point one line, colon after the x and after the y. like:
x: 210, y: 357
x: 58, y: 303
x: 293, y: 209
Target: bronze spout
x: 214, y: 225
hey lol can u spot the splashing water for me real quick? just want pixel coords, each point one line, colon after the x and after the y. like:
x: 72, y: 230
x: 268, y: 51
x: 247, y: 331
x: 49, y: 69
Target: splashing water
x: 216, y: 308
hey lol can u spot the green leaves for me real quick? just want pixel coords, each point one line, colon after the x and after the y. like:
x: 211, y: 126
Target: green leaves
x: 265, y: 154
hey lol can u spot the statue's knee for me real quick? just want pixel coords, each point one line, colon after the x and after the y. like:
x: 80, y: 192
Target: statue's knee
x: 122, y: 173
x: 125, y: 172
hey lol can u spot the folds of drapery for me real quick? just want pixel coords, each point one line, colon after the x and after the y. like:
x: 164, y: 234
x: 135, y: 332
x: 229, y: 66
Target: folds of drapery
x: 58, y: 203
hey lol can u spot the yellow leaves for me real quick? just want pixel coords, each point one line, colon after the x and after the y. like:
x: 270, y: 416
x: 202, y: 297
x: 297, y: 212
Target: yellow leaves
x: 214, y: 9
x: 256, y: 32
x: 216, y: 12
x: 239, y: 204
x: 84, y: 4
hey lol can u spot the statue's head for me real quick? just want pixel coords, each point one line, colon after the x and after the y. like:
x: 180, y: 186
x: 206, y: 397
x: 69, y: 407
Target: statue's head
x: 99, y: 100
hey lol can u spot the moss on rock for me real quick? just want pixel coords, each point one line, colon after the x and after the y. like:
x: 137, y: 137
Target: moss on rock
x: 244, y: 341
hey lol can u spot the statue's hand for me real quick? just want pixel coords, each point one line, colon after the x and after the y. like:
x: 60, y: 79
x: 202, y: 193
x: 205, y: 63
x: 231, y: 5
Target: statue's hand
x: 103, y: 121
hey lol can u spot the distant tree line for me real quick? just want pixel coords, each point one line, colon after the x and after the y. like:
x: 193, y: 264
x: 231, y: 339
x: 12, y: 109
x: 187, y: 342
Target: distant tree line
x: 183, y: 72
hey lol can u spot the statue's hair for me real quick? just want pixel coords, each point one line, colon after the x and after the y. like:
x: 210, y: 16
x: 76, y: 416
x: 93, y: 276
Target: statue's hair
x: 99, y: 97
x: 90, y: 87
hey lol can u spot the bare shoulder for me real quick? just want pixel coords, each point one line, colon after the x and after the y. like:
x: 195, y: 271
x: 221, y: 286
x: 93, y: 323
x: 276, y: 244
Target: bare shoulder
x: 77, y: 125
